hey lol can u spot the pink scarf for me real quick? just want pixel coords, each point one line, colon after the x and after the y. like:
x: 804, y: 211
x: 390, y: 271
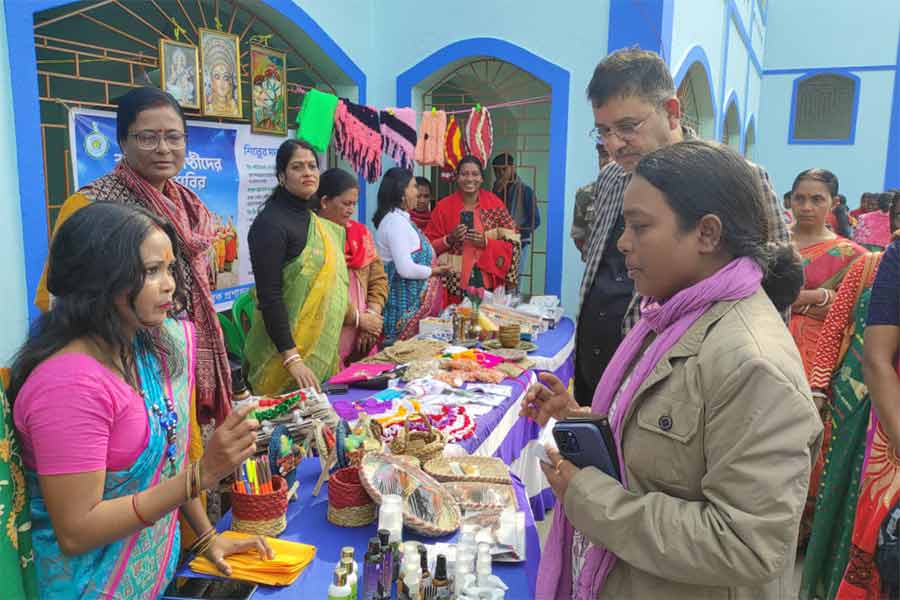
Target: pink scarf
x: 737, y: 280
x: 196, y: 231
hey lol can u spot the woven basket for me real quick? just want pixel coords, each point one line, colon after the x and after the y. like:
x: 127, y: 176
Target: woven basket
x: 261, y: 514
x: 349, y: 505
x: 490, y: 470
x: 423, y: 445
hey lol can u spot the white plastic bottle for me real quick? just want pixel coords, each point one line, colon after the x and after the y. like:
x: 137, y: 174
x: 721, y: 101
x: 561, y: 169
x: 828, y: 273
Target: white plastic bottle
x: 339, y: 590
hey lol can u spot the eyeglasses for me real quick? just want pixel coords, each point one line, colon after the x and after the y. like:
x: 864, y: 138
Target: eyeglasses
x: 625, y: 132
x: 149, y: 140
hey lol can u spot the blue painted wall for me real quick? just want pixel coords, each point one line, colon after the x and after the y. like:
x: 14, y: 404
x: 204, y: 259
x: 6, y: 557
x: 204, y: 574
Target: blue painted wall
x: 848, y: 40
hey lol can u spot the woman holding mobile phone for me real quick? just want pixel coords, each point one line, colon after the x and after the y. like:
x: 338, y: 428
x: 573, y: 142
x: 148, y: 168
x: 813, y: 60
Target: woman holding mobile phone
x: 712, y: 418
x: 474, y: 233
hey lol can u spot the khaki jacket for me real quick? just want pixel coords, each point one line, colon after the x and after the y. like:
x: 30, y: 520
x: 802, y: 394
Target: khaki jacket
x: 718, y: 447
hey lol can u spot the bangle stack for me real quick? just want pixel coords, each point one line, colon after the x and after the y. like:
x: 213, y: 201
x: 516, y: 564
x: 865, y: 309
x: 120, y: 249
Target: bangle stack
x: 204, y: 541
x: 293, y: 358
x: 827, y: 300
x: 192, y: 481
x: 137, y: 513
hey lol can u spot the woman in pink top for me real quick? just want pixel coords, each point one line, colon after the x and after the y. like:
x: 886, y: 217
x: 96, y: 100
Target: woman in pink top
x: 101, y: 398
x: 874, y: 228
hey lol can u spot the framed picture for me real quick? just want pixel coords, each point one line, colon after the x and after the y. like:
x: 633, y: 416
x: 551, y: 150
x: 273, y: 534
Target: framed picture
x: 268, y: 104
x: 179, y: 72
x: 221, y: 60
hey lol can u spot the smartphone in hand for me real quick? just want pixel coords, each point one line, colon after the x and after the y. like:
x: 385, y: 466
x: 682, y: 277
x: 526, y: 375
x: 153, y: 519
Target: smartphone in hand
x: 588, y: 442
x: 467, y: 218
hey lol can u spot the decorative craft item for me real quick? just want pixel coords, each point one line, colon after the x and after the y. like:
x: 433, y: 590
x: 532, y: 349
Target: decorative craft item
x: 469, y: 468
x: 423, y: 445
x: 261, y: 514
x: 179, y: 72
x: 509, y: 335
x: 268, y: 99
x: 477, y: 495
x: 326, y: 448
x: 349, y: 505
x: 285, y: 455
x: 220, y: 53
x: 427, y: 506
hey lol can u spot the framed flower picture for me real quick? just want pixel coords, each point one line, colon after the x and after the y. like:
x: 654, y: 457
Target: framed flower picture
x: 179, y: 69
x: 268, y: 78
x: 220, y: 53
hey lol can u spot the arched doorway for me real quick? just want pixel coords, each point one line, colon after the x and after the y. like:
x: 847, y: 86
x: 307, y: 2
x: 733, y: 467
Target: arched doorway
x: 522, y: 131
x: 750, y: 141
x: 731, y: 127
x: 697, y: 101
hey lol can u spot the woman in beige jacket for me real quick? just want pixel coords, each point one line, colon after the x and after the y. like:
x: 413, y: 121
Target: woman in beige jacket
x: 712, y: 416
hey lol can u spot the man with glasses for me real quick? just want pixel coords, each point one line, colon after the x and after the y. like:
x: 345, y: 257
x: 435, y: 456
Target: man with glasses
x: 636, y: 111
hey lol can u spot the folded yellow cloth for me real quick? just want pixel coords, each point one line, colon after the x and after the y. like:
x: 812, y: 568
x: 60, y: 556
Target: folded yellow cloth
x: 289, y: 561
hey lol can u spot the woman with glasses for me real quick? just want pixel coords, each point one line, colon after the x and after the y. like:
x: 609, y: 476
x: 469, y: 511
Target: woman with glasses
x: 472, y: 231
x: 151, y: 131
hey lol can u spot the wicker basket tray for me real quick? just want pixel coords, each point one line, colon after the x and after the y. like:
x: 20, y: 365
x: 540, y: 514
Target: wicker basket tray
x: 423, y: 445
x: 428, y: 507
x: 474, y: 468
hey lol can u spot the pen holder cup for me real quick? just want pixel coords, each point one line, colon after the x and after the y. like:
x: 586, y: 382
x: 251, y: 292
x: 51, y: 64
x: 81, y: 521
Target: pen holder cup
x: 349, y: 505
x: 261, y: 514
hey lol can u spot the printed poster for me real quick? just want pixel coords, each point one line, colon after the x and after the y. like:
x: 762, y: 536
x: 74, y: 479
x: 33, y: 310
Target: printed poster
x: 230, y: 168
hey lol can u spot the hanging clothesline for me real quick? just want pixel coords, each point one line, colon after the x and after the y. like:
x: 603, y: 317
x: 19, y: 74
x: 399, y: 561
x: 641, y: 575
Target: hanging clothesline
x: 511, y: 103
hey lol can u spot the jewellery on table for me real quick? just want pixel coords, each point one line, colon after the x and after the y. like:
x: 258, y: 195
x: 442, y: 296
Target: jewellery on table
x: 137, y: 513
x: 281, y: 408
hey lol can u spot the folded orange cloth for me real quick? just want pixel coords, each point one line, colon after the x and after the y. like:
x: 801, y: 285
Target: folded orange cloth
x: 289, y: 561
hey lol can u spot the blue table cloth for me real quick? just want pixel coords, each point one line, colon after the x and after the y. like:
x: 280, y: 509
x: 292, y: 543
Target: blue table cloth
x: 307, y: 523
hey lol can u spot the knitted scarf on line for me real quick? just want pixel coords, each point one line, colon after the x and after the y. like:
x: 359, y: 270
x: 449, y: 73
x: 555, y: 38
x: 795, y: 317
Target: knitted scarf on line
x: 430, y: 145
x: 315, y: 121
x: 738, y: 279
x: 480, y: 134
x: 196, y: 231
x: 398, y: 133
x: 357, y: 133
x: 454, y: 149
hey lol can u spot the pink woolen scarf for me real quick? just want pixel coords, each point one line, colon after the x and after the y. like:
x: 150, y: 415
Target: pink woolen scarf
x: 737, y: 280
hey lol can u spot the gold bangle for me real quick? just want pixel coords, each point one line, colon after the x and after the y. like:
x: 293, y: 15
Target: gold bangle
x: 202, y: 539
x: 207, y: 543
x: 291, y: 360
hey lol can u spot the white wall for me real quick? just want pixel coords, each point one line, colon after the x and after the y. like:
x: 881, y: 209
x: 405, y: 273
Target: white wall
x: 14, y: 315
x: 803, y: 36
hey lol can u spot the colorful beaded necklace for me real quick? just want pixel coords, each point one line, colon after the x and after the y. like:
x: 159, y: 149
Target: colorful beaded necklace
x: 162, y: 407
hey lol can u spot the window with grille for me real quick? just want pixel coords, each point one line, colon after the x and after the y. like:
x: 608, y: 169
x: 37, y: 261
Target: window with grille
x: 824, y: 109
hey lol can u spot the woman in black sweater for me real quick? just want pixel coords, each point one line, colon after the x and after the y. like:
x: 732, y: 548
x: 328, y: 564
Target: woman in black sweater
x: 301, y: 281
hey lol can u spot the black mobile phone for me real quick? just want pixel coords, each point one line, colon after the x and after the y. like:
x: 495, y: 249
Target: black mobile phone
x: 588, y: 442
x: 197, y: 588
x: 335, y: 389
x: 467, y: 218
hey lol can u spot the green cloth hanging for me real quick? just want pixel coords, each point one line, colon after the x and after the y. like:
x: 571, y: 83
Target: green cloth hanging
x: 315, y: 121
x: 17, y: 570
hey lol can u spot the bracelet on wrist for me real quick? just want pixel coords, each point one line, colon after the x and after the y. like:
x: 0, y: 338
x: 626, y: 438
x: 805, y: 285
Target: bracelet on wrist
x: 294, y: 358
x: 137, y: 513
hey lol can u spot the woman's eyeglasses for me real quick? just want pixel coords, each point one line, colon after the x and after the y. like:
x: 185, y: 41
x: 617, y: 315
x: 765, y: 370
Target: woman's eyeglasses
x: 149, y: 140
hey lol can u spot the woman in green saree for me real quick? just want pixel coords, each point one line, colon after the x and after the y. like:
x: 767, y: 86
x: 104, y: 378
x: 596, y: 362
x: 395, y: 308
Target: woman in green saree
x: 837, y: 383
x: 301, y: 281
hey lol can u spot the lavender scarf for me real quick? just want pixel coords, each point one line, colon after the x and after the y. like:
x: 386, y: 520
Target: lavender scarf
x: 737, y: 280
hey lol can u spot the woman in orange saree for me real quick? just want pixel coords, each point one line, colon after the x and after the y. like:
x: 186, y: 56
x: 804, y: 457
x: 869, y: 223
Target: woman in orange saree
x: 826, y: 259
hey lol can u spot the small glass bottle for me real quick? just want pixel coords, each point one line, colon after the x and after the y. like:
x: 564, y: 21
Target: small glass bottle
x: 349, y: 565
x: 339, y: 589
x: 440, y: 584
x: 372, y: 571
x: 387, y: 561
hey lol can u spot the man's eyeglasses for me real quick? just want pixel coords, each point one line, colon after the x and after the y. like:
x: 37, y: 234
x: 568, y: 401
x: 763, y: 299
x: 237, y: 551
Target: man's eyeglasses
x: 625, y: 131
x: 149, y: 140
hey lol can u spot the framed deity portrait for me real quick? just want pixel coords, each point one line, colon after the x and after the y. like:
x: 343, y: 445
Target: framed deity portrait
x: 179, y: 72
x: 268, y: 79
x: 221, y: 60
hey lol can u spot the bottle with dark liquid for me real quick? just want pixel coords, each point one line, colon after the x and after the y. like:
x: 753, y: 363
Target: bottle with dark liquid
x: 372, y: 565
x: 440, y: 584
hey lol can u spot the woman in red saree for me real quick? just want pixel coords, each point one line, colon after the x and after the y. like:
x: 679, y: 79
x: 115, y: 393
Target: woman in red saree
x: 826, y: 259
x: 472, y: 231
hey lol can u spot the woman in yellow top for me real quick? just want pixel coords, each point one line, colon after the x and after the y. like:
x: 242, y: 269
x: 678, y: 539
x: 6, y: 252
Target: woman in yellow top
x: 301, y: 281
